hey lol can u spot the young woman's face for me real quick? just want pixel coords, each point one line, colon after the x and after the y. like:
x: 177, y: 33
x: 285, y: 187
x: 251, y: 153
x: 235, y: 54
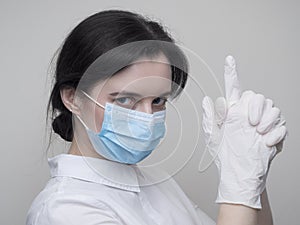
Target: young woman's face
x: 143, y: 86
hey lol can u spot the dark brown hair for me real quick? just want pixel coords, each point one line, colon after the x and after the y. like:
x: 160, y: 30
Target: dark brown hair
x: 93, y: 37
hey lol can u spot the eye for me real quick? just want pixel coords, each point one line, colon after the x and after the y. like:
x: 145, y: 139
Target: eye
x: 125, y: 101
x: 159, y: 101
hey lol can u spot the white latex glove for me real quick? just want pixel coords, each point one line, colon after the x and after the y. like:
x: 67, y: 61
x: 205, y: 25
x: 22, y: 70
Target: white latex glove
x: 244, y: 132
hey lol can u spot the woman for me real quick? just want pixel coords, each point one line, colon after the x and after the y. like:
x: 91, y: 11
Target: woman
x: 115, y: 72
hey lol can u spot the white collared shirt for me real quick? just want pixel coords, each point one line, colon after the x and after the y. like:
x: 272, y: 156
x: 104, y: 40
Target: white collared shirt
x: 92, y: 191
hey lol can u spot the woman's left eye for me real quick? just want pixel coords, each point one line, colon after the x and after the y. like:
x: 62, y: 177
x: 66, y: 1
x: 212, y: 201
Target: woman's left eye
x: 159, y: 101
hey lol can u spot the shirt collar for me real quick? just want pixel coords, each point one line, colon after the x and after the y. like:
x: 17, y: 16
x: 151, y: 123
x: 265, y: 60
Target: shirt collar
x: 95, y: 170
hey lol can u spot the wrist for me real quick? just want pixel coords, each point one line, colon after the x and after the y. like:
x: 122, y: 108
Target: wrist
x: 245, y: 192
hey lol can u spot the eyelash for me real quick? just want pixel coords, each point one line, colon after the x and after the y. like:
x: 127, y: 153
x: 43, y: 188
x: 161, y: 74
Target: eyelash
x: 164, y: 100
x: 134, y: 101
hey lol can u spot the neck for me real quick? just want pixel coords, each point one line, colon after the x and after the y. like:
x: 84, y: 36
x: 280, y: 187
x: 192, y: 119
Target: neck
x: 88, y: 150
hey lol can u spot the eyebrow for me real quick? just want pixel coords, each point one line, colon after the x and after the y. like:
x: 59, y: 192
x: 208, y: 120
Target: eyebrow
x: 133, y: 94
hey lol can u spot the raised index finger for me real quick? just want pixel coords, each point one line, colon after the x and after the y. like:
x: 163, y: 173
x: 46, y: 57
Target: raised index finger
x: 232, y: 85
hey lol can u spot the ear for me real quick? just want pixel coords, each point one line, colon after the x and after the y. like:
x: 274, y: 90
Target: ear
x: 67, y: 95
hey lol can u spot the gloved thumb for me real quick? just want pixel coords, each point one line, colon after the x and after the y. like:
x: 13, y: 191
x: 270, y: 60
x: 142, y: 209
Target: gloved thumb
x: 214, y: 115
x: 220, y: 110
x: 208, y: 115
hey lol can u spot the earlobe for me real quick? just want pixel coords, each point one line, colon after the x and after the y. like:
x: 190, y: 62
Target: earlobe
x: 68, y: 98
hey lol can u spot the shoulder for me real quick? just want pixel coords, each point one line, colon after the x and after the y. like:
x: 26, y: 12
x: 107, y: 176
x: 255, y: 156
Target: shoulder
x: 63, y: 209
x: 57, y: 207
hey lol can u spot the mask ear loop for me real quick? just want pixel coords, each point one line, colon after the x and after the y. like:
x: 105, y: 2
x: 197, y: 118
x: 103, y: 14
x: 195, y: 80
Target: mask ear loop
x: 78, y: 117
x: 85, y: 126
x: 93, y: 100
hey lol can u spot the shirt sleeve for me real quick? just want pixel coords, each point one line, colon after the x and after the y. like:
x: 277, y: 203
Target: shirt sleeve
x: 75, y: 211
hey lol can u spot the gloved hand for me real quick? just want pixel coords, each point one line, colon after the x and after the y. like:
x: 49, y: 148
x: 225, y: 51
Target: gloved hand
x: 243, y: 132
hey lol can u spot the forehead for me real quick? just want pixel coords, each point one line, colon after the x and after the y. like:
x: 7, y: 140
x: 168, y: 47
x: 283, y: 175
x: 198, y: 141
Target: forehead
x: 145, y: 76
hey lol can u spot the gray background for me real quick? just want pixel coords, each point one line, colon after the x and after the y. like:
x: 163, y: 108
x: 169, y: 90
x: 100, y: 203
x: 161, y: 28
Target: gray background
x: 262, y: 35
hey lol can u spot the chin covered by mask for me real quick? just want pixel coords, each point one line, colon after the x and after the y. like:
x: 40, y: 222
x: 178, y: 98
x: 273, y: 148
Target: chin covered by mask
x: 127, y: 136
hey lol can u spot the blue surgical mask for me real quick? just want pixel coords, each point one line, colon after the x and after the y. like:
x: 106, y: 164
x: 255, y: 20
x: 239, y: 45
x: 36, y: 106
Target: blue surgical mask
x: 127, y: 136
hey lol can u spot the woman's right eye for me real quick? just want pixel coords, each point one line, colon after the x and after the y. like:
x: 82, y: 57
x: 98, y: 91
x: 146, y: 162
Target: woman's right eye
x: 125, y: 101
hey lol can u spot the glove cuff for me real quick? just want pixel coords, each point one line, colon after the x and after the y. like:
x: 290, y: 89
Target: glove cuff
x: 250, y: 198
x: 254, y: 202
